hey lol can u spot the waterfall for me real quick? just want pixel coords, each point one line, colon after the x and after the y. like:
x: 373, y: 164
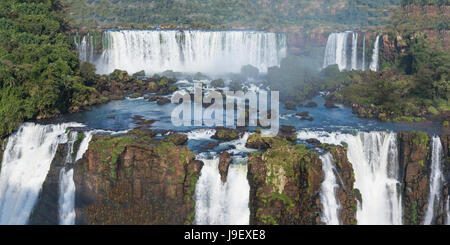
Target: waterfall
x: 376, y: 49
x: 436, y: 179
x: 187, y: 51
x: 26, y: 162
x: 328, y: 195
x: 336, y: 50
x: 85, y: 49
x: 355, y: 51
x: 374, y: 157
x: 66, y: 202
x: 363, y: 67
x: 220, y: 203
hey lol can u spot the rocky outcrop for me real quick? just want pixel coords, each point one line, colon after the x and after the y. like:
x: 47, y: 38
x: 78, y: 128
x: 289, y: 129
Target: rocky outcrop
x: 45, y: 212
x: 124, y: 181
x: 346, y: 194
x: 224, y: 163
x: 227, y: 134
x: 119, y: 84
x: 414, y: 156
x: 285, y: 184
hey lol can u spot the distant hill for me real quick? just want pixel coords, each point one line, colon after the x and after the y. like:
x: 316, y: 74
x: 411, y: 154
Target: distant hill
x: 251, y: 13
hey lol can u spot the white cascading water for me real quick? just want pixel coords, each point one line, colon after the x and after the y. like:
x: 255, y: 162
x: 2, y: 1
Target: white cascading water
x: 336, y: 50
x: 26, y: 162
x: 448, y: 210
x: 329, y: 188
x: 66, y: 202
x: 85, y: 49
x: 355, y: 51
x: 375, y: 55
x: 212, y: 52
x: 374, y: 157
x: 220, y: 203
x: 363, y: 66
x: 436, y: 179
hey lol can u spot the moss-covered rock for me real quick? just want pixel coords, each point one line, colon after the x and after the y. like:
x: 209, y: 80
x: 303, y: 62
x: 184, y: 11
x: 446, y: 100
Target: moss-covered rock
x: 121, y: 180
x: 415, y: 162
x: 227, y: 134
x: 285, y: 186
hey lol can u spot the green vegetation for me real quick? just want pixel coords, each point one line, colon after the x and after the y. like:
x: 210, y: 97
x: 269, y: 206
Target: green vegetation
x: 39, y: 71
x: 218, y: 13
x: 413, y: 84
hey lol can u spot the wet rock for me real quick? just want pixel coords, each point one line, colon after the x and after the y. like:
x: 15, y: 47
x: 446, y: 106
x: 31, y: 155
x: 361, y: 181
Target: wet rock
x: 256, y: 141
x: 145, y: 122
x: 142, y: 133
x: 287, y: 129
x: 415, y: 166
x: 224, y: 163
x: 177, y: 138
x: 311, y: 104
x: 330, y: 105
x: 154, y: 98
x: 210, y: 146
x: 288, y: 133
x: 227, y: 134
x: 302, y: 114
x: 163, y: 101
x: 314, y: 142
x: 135, y: 95
x: 153, y: 87
x: 290, y: 106
x: 346, y: 193
x: 111, y: 117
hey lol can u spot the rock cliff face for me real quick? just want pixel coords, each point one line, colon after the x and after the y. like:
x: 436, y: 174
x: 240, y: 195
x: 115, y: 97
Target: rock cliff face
x: 427, y: 19
x: 45, y: 211
x: 346, y: 194
x: 285, y: 184
x: 443, y: 216
x: 415, y: 154
x: 3, y: 143
x: 124, y: 181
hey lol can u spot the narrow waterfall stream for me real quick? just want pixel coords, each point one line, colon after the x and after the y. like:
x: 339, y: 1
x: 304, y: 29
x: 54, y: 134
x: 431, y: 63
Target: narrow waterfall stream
x: 220, y: 203
x: 26, y: 162
x: 354, y: 51
x: 66, y: 202
x: 375, y: 55
x: 436, y: 179
x: 329, y: 188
